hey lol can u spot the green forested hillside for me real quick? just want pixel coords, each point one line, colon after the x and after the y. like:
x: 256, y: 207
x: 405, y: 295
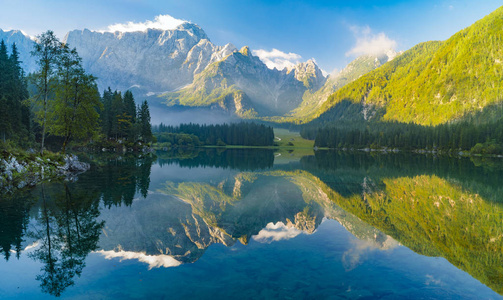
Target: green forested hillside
x: 430, y: 84
x: 312, y: 101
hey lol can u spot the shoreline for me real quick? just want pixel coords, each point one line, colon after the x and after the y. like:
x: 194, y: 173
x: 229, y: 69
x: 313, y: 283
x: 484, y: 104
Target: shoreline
x: 23, y: 170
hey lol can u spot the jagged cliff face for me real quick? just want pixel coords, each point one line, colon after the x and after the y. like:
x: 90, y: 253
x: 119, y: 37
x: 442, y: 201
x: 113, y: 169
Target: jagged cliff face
x: 310, y: 75
x: 316, y: 96
x: 192, y: 71
x: 267, y: 92
x: 149, y: 61
x: 24, y: 46
x: 185, y: 66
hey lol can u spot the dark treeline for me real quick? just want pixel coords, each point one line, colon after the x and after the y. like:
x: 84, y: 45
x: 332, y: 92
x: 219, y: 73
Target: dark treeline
x: 62, y: 103
x: 242, y: 134
x: 15, y: 120
x: 345, y: 172
x: 477, y: 138
x: 239, y: 159
x: 122, y: 119
x: 119, y: 178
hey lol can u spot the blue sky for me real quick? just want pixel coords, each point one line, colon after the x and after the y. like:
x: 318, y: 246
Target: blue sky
x: 332, y: 32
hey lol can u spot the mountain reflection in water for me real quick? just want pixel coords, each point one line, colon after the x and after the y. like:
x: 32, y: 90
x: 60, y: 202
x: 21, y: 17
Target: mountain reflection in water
x: 166, y: 210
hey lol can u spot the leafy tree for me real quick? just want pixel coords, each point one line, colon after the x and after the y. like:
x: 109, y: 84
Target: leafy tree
x: 74, y: 111
x: 47, y: 51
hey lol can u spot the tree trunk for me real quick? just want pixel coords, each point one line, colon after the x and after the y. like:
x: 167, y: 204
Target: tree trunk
x: 45, y: 115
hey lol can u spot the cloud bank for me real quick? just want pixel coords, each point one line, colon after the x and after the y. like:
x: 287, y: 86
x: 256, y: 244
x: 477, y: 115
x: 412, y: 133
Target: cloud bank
x: 368, y: 43
x: 277, y: 59
x: 163, y: 22
x: 276, y: 232
x: 153, y: 261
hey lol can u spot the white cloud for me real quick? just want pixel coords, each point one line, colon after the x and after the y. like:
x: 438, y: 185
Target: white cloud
x: 163, y: 22
x: 368, y: 43
x: 29, y: 247
x: 277, y: 59
x: 153, y: 261
x: 276, y: 232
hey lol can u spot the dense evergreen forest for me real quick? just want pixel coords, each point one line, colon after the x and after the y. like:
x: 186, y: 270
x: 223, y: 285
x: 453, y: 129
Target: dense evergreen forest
x: 15, y: 120
x: 122, y: 119
x: 240, y: 159
x: 463, y: 136
x: 60, y: 103
x: 192, y: 135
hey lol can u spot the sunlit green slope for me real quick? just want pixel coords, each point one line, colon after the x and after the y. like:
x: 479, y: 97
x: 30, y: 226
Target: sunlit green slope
x: 432, y: 83
x: 435, y: 217
x: 312, y: 101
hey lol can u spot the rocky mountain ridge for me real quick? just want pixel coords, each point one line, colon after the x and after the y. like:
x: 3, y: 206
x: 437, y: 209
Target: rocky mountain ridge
x: 147, y: 62
x: 24, y: 45
x: 185, y: 66
x: 244, y: 80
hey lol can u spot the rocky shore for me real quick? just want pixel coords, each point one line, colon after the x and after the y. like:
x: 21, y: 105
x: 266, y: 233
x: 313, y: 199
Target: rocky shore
x: 19, y: 172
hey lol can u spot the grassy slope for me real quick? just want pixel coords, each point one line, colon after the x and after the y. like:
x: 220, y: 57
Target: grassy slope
x: 434, y: 82
x: 285, y: 154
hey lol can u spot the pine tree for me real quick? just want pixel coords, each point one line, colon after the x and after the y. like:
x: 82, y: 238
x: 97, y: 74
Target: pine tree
x: 5, y: 128
x: 117, y: 111
x: 146, y: 128
x: 14, y: 123
x: 129, y: 105
x: 106, y: 114
x: 130, y: 115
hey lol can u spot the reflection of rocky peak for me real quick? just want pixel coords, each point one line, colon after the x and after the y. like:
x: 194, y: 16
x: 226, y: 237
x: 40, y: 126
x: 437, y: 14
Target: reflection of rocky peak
x: 159, y: 225
x: 368, y: 186
x: 305, y: 221
x: 314, y: 189
x: 194, y: 215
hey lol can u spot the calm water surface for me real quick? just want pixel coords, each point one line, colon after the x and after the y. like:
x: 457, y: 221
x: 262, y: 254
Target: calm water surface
x: 246, y: 224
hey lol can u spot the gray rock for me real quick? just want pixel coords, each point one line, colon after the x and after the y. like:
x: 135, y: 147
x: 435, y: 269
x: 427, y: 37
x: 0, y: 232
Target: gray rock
x: 73, y: 165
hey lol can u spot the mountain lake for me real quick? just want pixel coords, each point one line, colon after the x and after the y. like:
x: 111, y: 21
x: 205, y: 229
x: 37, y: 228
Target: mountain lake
x: 253, y: 224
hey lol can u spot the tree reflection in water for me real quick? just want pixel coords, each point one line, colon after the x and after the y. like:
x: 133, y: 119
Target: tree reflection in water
x: 68, y: 232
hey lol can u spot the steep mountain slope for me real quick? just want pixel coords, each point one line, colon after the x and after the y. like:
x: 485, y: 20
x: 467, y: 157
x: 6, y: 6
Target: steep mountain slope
x: 432, y: 83
x: 312, y: 101
x: 24, y: 46
x: 188, y: 68
x: 152, y: 61
x: 242, y: 83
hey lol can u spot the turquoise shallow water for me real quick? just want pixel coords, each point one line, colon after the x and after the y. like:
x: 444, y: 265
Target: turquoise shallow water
x: 139, y: 228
